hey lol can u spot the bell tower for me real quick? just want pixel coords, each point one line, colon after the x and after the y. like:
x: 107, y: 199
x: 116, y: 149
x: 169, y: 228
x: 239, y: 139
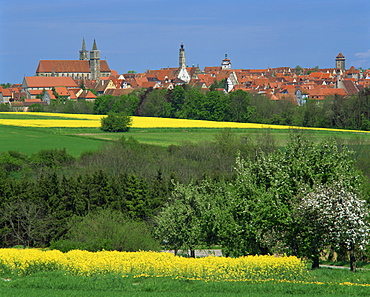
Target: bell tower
x: 84, y: 54
x: 182, y: 61
x: 94, y: 62
x: 340, y: 62
x: 226, y: 63
x: 183, y: 72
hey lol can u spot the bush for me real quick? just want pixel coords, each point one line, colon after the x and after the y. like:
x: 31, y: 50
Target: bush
x: 107, y: 230
x: 36, y: 107
x: 116, y: 122
x: 52, y: 158
x: 4, y: 107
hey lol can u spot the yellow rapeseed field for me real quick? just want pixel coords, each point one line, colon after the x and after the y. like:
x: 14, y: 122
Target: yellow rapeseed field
x: 89, y: 120
x: 154, y: 264
x: 28, y: 261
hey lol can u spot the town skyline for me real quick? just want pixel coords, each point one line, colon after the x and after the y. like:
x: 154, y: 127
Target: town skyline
x: 145, y: 35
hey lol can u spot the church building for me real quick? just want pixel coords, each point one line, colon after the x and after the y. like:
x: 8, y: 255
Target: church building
x: 87, y: 67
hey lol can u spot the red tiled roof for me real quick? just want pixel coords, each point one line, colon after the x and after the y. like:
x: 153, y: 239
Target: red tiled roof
x: 35, y: 92
x: 118, y: 92
x: 7, y: 93
x: 64, y: 66
x: 353, y: 70
x: 86, y: 94
x: 114, y: 73
x: 212, y: 69
x: 33, y: 100
x: 62, y: 91
x: 206, y: 78
x: 49, y: 82
x: 340, y: 55
x: 261, y: 81
x: 324, y: 92
x: 148, y: 84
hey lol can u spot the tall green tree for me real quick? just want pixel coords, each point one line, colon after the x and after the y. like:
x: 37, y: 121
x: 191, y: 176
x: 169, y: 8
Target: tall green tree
x: 178, y: 225
x: 104, y: 104
x: 156, y: 104
x: 240, y: 109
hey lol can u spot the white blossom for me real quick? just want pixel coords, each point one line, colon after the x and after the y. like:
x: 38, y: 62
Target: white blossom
x: 340, y: 213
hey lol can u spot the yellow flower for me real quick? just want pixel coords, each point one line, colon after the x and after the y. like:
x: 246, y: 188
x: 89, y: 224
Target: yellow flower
x: 91, y: 121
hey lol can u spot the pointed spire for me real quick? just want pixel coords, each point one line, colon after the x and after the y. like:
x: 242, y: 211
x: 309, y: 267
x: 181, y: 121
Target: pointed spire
x: 94, y: 48
x: 83, y: 44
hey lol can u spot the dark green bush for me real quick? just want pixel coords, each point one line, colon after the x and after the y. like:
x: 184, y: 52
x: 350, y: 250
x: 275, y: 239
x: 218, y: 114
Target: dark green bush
x: 116, y: 122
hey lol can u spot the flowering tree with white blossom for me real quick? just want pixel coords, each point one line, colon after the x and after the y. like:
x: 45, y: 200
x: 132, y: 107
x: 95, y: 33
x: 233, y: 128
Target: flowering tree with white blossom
x: 336, y: 216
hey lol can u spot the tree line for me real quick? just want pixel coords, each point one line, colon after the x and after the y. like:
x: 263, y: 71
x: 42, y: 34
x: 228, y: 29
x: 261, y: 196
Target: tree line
x: 40, y: 193
x: 245, y: 195
x: 239, y: 106
x: 194, y: 103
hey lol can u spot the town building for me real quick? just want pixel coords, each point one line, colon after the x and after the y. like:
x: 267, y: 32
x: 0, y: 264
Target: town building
x: 87, y: 67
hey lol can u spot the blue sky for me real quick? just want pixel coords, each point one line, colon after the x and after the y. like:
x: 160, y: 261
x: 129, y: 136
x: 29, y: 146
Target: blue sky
x: 145, y: 34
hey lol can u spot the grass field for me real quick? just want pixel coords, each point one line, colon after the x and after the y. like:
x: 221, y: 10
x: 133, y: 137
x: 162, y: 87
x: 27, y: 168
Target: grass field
x: 326, y: 282
x: 31, y: 132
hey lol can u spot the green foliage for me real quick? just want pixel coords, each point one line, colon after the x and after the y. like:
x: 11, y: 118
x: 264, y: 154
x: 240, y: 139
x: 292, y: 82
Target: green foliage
x: 255, y: 211
x: 5, y: 107
x: 178, y: 225
x: 103, y: 104
x: 12, y: 161
x: 36, y: 107
x: 116, y: 122
x: 6, y: 85
x: 58, y: 283
x: 247, y: 211
x: 177, y: 99
x: 126, y: 103
x: 298, y: 70
x: 155, y: 104
x: 71, y: 106
x: 240, y: 108
x: 221, y: 84
x: 108, y: 230
x: 51, y: 158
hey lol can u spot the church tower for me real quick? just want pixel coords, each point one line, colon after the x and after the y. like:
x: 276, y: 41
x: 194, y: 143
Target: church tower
x: 94, y: 62
x: 182, y: 62
x: 84, y: 54
x: 183, y: 72
x: 340, y: 62
x: 226, y: 63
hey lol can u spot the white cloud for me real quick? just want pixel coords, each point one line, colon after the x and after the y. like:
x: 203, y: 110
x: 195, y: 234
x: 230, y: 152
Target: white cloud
x: 363, y: 55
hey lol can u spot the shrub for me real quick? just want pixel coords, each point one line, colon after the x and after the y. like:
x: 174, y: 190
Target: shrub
x: 4, y: 107
x: 52, y: 158
x: 116, y: 122
x: 36, y: 107
x: 107, y: 230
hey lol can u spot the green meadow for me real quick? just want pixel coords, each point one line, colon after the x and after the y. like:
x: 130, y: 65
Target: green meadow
x: 30, y: 140
x: 324, y: 282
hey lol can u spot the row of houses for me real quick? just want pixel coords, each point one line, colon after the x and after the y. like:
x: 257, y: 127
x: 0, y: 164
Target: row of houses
x: 74, y: 80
